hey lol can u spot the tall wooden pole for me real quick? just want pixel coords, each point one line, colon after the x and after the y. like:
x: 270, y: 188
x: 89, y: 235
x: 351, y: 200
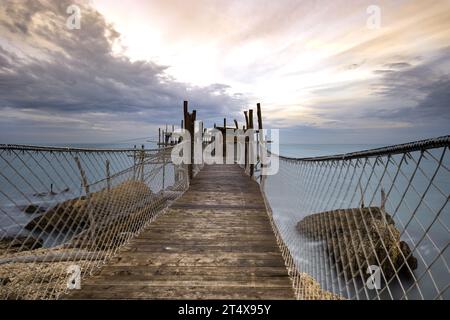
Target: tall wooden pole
x: 261, y: 136
x: 189, y: 122
x: 108, y: 175
x: 252, y: 138
x: 258, y: 114
x: 159, y: 137
x: 246, y: 141
x: 224, y: 140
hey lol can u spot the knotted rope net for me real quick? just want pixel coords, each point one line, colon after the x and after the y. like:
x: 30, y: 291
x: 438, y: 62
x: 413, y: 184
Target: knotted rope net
x: 365, y: 225
x: 65, y: 211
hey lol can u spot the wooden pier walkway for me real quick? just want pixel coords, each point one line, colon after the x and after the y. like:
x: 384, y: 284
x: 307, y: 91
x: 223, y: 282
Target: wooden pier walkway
x: 215, y: 242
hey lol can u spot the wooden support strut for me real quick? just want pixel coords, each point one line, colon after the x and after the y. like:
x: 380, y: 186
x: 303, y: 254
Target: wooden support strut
x: 246, y: 141
x: 224, y: 139
x: 108, y: 175
x: 261, y: 137
x: 250, y: 122
x: 189, y: 123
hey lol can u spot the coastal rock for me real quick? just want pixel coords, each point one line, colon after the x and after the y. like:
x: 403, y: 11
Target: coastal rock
x: 63, y: 217
x: 359, y: 237
x: 75, y: 215
x: 33, y: 208
x: 35, y: 280
x: 19, y: 243
x: 117, y: 209
x: 310, y: 289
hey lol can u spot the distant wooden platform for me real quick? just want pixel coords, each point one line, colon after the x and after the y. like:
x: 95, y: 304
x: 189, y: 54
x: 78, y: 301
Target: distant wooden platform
x: 215, y: 242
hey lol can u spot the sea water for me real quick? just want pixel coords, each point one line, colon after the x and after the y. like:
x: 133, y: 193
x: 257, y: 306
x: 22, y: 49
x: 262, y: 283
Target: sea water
x: 413, y: 201
x: 21, y: 180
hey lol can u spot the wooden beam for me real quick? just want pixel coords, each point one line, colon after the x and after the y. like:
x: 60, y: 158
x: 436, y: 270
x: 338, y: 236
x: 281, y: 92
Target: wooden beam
x: 236, y: 124
x: 108, y: 175
x: 258, y: 114
x: 246, y: 119
x: 185, y: 107
x: 159, y: 137
x: 250, y: 124
x: 250, y: 119
x: 224, y: 137
x: 261, y: 137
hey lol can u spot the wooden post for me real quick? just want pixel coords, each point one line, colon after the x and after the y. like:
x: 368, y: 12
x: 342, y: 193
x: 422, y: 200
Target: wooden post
x: 171, y: 136
x: 224, y: 138
x: 246, y: 141
x: 166, y: 140
x: 192, y: 130
x: 235, y: 142
x: 261, y: 137
x: 108, y: 175
x: 383, y: 200
x: 250, y: 123
x: 159, y: 137
x: 142, y: 163
x: 83, y: 176
x: 258, y: 114
x: 88, y: 196
x: 189, y: 122
x: 246, y: 119
x: 134, y: 163
x: 164, y: 170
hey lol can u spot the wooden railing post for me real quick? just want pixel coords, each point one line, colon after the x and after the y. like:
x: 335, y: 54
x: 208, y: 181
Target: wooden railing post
x: 189, y: 123
x: 246, y: 141
x: 224, y: 139
x: 252, y: 138
x: 142, y: 166
x: 134, y: 162
x: 83, y: 176
x: 164, y: 170
x: 108, y: 175
x: 261, y: 139
x: 85, y: 183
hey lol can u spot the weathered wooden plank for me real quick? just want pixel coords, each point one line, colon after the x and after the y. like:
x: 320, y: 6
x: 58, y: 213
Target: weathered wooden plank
x: 134, y: 281
x: 207, y: 271
x: 201, y: 292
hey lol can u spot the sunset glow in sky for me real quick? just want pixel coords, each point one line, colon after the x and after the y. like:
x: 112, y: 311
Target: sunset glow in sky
x: 321, y: 74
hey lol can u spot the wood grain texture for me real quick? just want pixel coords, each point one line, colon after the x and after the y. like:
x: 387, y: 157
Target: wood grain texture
x: 215, y: 242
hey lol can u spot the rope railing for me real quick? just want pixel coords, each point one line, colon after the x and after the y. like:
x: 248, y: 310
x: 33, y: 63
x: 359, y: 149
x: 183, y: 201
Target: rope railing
x: 365, y: 225
x: 66, y: 211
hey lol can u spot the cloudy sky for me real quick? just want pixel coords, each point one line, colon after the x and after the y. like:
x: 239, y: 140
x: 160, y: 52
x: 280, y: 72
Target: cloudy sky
x: 322, y: 73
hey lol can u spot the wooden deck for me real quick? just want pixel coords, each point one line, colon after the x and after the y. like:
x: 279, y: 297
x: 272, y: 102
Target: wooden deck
x: 215, y: 242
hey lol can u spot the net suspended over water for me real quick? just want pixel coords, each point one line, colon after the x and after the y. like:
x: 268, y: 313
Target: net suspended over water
x: 342, y: 222
x: 365, y: 225
x: 64, y: 212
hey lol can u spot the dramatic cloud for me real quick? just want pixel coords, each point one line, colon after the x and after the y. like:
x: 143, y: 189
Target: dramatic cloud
x: 425, y: 86
x: 315, y: 66
x: 74, y: 74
